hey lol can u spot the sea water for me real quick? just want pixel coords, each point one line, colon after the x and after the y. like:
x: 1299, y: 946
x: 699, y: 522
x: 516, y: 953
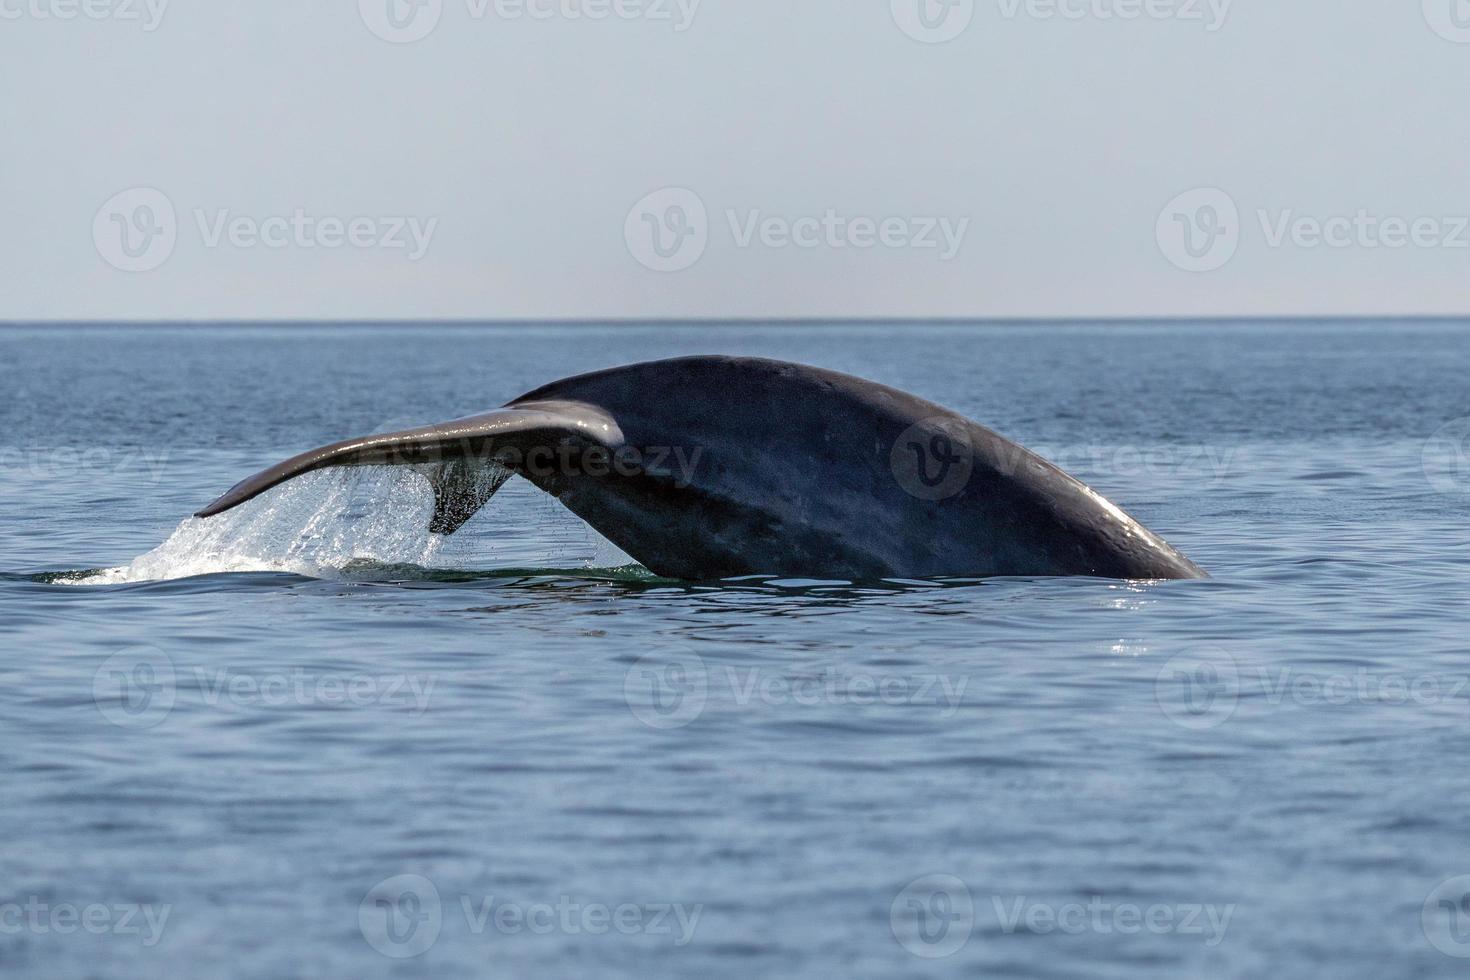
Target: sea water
x: 309, y: 739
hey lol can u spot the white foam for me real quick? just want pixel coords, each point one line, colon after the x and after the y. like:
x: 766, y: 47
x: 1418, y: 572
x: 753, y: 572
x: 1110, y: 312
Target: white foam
x: 323, y: 523
x: 314, y: 525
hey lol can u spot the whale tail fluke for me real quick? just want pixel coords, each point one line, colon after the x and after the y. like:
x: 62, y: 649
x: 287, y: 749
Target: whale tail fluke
x: 465, y: 461
x: 791, y: 470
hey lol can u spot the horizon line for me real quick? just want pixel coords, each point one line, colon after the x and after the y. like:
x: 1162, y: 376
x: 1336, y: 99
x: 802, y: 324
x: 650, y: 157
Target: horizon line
x: 633, y: 321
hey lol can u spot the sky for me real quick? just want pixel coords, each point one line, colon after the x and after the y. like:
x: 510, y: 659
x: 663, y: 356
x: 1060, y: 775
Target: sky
x: 526, y: 159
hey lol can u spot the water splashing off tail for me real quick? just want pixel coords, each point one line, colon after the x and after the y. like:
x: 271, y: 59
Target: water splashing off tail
x: 316, y: 526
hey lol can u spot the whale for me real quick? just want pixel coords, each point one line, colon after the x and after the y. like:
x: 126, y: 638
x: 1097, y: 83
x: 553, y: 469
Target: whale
x: 717, y: 467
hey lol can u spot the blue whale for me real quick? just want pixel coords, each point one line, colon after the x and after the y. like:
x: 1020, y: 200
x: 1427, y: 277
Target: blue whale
x: 715, y: 467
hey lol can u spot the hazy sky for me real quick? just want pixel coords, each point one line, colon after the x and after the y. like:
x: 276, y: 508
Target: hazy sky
x: 667, y: 158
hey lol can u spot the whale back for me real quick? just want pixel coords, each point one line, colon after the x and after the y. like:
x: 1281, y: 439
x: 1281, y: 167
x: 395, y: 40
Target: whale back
x: 756, y: 466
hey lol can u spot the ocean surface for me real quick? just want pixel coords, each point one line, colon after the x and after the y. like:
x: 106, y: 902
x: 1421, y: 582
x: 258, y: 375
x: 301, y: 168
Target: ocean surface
x: 308, y: 740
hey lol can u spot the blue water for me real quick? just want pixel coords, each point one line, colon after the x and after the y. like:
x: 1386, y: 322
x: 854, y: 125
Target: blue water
x: 316, y: 742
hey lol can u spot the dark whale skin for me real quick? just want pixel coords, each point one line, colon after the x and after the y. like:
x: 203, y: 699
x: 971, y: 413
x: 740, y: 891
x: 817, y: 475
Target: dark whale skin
x: 747, y: 466
x: 795, y: 477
